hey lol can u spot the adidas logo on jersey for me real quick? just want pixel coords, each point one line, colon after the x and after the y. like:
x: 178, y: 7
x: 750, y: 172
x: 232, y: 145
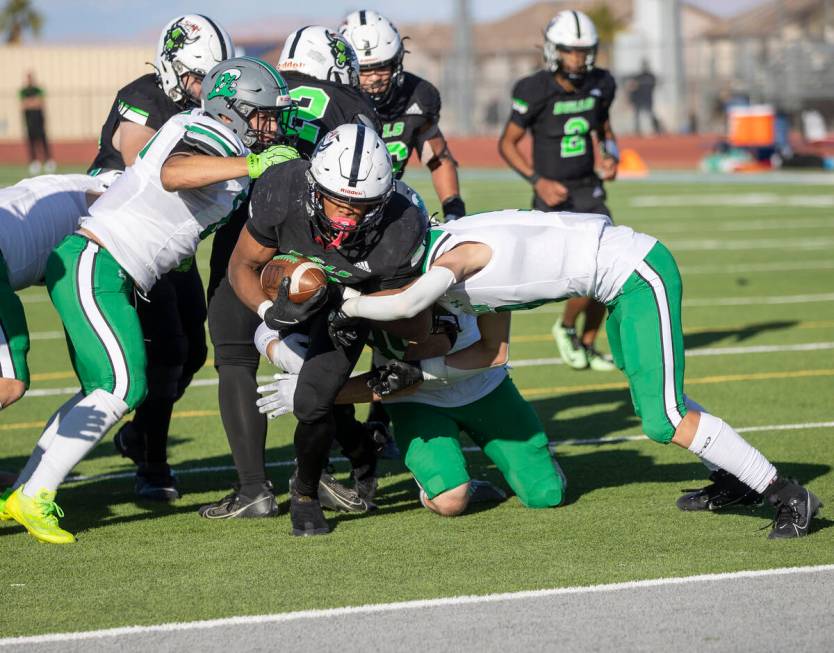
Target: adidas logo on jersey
x: 414, y: 109
x: 596, y: 92
x: 363, y: 265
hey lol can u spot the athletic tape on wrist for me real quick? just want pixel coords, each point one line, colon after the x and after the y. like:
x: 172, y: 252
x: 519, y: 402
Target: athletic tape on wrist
x: 263, y: 307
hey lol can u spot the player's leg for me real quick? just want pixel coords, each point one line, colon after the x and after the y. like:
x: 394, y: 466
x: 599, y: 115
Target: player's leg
x: 92, y: 295
x: 232, y: 328
x: 651, y: 338
x: 429, y: 437
x: 510, y: 433
x: 14, y: 343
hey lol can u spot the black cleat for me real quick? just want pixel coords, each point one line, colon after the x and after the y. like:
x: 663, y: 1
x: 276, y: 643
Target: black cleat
x: 366, y: 489
x: 724, y: 491
x: 306, y: 516
x: 238, y: 506
x: 335, y: 496
x: 382, y: 440
x: 795, y: 507
x: 485, y: 492
x: 156, y: 484
x: 130, y: 442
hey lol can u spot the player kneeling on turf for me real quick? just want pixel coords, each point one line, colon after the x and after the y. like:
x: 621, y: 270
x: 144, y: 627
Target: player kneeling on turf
x: 511, y: 260
x: 185, y: 182
x: 467, y: 390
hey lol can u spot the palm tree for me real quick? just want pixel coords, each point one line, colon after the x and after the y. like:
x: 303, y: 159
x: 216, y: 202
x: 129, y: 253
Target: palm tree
x: 607, y: 25
x: 17, y: 17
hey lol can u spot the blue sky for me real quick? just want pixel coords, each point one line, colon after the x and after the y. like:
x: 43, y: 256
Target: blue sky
x: 119, y: 20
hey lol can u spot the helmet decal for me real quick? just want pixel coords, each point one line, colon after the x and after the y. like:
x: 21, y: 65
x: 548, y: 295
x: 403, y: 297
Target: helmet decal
x: 176, y: 38
x: 341, y: 55
x: 225, y: 84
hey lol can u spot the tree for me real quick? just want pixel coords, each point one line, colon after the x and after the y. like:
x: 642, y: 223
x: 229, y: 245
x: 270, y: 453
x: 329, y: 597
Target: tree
x: 17, y: 17
x: 607, y: 24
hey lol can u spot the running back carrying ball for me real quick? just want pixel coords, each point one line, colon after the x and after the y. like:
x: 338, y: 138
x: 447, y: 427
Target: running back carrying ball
x: 306, y: 277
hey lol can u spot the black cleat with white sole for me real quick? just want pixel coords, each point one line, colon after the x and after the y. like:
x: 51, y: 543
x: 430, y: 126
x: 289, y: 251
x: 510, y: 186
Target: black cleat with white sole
x: 795, y: 507
x: 724, y: 491
x: 335, y: 496
x: 156, y: 483
x: 239, y: 506
x: 306, y: 516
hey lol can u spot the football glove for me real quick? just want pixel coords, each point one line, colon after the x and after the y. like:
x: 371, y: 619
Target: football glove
x: 343, y: 330
x: 283, y: 313
x: 395, y: 376
x: 278, y: 396
x: 257, y: 164
x: 453, y: 208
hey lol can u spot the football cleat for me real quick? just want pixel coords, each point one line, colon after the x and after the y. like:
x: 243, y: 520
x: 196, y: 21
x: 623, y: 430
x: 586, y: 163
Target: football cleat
x: 335, y: 496
x: 38, y: 515
x: 485, y: 492
x: 238, y: 506
x: 130, y: 442
x: 597, y: 362
x: 570, y: 348
x: 157, y: 484
x: 795, y: 507
x: 366, y: 489
x: 306, y: 516
x: 3, y: 498
x: 724, y: 491
x: 382, y: 440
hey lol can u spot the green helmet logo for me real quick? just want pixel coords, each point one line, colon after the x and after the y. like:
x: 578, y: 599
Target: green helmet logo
x: 225, y: 84
x: 341, y: 54
x: 176, y: 38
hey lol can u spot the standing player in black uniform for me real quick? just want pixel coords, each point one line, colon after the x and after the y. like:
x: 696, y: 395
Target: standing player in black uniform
x: 173, y: 313
x: 321, y: 71
x: 563, y: 106
x: 339, y: 208
x: 408, y: 106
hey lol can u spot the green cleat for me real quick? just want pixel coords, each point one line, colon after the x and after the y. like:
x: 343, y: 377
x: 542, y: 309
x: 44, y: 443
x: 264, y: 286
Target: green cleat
x: 3, y: 498
x: 570, y: 349
x: 39, y: 516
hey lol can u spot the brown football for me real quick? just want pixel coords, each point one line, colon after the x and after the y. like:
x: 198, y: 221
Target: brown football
x: 306, y: 277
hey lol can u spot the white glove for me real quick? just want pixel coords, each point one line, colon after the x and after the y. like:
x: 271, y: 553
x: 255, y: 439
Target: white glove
x: 278, y: 396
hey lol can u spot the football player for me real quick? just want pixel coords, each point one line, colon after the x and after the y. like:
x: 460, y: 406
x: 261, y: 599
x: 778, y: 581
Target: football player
x: 511, y: 260
x: 184, y: 182
x: 322, y: 72
x: 563, y: 106
x: 173, y: 316
x: 408, y: 106
x: 482, y: 400
x: 339, y: 209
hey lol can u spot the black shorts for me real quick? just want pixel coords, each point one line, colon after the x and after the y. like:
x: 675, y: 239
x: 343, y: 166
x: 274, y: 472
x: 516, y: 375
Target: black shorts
x: 585, y: 195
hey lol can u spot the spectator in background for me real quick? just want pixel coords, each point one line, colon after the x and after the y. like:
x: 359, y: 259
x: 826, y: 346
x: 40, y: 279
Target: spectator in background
x: 31, y: 101
x: 641, y: 96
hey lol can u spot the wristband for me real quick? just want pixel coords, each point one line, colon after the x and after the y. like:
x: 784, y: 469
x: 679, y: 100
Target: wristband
x: 263, y: 307
x: 610, y: 149
x: 533, y: 178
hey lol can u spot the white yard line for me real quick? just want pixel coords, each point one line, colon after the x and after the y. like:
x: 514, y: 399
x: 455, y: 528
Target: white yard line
x: 377, y: 608
x: 774, y: 266
x: 744, y: 200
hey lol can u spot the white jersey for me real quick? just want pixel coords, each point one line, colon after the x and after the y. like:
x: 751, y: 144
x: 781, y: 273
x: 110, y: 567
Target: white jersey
x: 150, y: 231
x: 35, y: 215
x: 454, y: 392
x: 539, y: 257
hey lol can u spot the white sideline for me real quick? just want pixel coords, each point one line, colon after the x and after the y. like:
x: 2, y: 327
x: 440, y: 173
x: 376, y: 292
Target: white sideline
x: 95, y: 478
x: 410, y: 605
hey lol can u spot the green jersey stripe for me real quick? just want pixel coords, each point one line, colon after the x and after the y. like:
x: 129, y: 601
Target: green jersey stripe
x: 195, y: 129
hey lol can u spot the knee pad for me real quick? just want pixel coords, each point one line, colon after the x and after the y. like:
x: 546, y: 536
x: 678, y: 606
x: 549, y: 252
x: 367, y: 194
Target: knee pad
x: 238, y: 355
x: 308, y: 406
x: 163, y: 381
x: 659, y: 430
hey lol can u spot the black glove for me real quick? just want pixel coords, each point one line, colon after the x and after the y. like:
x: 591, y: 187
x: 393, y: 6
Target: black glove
x: 283, y: 313
x: 342, y: 329
x: 396, y: 375
x: 454, y: 208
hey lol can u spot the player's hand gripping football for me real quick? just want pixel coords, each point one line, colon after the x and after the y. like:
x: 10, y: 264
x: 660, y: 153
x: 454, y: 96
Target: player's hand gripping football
x: 284, y: 313
x: 278, y: 396
x: 395, y: 376
x: 258, y: 163
x: 551, y: 192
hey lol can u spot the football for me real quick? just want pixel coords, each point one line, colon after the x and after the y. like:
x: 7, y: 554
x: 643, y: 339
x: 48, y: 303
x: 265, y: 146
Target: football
x: 306, y: 277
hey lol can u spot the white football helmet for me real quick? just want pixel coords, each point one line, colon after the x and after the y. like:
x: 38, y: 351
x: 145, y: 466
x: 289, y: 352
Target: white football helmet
x: 189, y: 44
x: 321, y: 53
x: 570, y: 30
x: 378, y: 45
x: 349, y: 165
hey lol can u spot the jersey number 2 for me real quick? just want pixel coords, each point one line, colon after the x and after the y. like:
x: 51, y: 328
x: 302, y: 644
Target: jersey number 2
x: 574, y: 141
x: 312, y: 103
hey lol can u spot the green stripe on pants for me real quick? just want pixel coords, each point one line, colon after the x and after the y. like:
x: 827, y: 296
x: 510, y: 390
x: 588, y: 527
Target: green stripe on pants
x: 646, y: 340
x: 92, y: 294
x: 14, y: 334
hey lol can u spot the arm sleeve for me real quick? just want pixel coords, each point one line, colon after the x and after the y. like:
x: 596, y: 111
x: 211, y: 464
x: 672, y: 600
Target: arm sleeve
x: 419, y: 296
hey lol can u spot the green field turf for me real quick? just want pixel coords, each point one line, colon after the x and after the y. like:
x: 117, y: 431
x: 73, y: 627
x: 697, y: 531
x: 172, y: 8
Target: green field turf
x: 758, y: 272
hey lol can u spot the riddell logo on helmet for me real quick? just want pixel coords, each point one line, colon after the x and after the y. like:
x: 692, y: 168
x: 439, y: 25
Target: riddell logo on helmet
x: 350, y: 191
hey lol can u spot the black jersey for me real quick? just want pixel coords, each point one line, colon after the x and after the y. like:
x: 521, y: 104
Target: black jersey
x: 562, y: 122
x: 323, y: 106
x: 409, y: 119
x: 142, y: 101
x: 391, y: 256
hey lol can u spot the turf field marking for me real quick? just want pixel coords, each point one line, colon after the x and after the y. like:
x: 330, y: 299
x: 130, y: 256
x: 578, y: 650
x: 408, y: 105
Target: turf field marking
x: 722, y: 244
x: 776, y: 224
x: 746, y: 268
x: 421, y: 604
x: 735, y: 199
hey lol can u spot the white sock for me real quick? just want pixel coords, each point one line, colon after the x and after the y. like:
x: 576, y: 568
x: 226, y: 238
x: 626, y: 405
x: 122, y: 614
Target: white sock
x: 45, y: 440
x: 716, y: 442
x: 79, y: 430
x: 691, y: 404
